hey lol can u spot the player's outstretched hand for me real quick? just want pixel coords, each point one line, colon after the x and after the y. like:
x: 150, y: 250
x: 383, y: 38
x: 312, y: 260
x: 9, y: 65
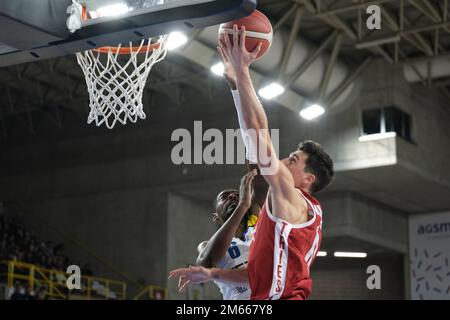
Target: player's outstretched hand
x: 246, y: 189
x: 234, y: 54
x: 191, y: 275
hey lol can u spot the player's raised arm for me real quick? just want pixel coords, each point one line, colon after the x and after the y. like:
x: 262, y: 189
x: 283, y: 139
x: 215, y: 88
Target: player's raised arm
x: 215, y: 249
x: 253, y: 120
x: 260, y: 189
x: 260, y: 186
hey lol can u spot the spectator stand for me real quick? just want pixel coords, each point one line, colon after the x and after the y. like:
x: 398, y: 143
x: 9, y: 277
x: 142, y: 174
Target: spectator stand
x: 33, y: 269
x: 152, y: 292
x: 53, y: 283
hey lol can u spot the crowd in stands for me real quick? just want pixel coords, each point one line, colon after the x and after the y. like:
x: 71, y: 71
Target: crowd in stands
x: 21, y: 292
x: 17, y: 243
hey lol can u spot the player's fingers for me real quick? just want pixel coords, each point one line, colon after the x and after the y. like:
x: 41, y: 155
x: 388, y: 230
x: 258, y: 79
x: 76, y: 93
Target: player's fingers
x: 242, y: 39
x: 177, y: 273
x: 223, y: 54
x: 251, y: 172
x: 184, y: 286
x: 173, y: 274
x: 219, y: 51
x: 245, y: 178
x: 247, y: 184
x: 250, y: 175
x: 225, y: 47
x: 180, y: 281
x: 180, y: 285
x: 257, y: 50
x: 226, y: 38
x: 222, y: 42
x: 235, y: 36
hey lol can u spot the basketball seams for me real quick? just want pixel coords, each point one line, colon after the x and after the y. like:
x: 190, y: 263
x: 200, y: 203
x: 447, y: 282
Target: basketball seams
x: 261, y: 23
x: 257, y: 28
x: 250, y: 34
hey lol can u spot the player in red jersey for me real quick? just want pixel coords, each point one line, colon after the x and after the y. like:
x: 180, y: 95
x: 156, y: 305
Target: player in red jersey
x: 289, y: 230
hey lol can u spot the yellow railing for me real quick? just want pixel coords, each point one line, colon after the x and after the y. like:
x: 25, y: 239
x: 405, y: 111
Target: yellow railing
x: 55, y: 282
x: 152, y: 293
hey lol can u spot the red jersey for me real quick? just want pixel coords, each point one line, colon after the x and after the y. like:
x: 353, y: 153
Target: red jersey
x: 282, y: 253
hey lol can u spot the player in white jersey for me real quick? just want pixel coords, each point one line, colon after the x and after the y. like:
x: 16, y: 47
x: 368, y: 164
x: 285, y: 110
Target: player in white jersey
x: 235, y: 258
x: 236, y: 213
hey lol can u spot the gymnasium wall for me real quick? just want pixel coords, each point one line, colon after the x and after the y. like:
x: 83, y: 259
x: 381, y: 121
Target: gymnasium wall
x: 345, y: 279
x: 350, y: 214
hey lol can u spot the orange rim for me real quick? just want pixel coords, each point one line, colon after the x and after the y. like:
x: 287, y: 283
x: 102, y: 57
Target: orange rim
x: 128, y: 50
x: 124, y: 51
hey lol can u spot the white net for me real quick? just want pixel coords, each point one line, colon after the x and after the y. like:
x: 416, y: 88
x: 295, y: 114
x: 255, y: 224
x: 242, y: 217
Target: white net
x: 116, y: 81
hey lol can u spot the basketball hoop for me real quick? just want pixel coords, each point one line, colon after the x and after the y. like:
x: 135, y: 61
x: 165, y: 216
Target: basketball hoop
x: 116, y: 85
x: 116, y: 78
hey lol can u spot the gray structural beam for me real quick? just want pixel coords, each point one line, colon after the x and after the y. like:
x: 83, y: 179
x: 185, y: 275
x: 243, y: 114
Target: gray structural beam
x: 336, y: 93
x: 326, y: 79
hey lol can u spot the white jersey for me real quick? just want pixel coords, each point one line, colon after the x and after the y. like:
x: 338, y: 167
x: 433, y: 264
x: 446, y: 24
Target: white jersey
x: 236, y: 258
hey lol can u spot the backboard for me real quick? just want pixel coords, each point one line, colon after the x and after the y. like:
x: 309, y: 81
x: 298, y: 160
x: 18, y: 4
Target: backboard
x: 105, y: 10
x: 32, y: 30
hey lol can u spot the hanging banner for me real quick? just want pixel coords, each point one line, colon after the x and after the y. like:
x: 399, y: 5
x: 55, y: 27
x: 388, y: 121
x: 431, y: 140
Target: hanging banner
x: 429, y: 247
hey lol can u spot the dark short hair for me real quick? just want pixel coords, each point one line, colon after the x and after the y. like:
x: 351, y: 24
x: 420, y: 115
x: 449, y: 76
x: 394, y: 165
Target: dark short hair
x: 226, y: 190
x: 319, y: 163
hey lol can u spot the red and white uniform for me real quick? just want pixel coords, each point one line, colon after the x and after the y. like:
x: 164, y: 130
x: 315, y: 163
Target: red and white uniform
x: 282, y: 253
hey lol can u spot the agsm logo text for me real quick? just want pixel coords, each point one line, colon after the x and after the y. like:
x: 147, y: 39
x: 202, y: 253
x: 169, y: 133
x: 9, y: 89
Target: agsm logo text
x: 433, y: 228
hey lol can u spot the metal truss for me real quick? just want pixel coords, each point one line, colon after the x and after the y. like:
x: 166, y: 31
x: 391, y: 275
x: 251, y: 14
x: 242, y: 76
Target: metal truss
x: 412, y: 31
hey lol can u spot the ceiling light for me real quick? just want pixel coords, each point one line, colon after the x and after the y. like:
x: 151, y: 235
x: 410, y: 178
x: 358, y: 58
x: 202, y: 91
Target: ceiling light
x: 312, y: 112
x: 322, y: 254
x: 350, y: 254
x: 218, y: 69
x: 176, y: 40
x: 271, y: 91
x: 112, y: 10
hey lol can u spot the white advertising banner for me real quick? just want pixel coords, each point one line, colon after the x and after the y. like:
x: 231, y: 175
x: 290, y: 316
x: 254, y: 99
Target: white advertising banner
x: 429, y: 247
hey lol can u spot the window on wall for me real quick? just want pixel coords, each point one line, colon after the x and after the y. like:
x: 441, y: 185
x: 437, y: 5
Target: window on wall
x: 398, y: 121
x: 371, y: 121
x: 384, y: 122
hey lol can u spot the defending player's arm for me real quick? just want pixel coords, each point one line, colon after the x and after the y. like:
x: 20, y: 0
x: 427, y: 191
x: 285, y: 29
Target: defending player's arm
x: 198, y: 274
x: 215, y: 249
x: 285, y: 202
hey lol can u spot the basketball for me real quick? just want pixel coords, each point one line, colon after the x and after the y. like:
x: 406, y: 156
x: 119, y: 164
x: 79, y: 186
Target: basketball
x: 257, y: 29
